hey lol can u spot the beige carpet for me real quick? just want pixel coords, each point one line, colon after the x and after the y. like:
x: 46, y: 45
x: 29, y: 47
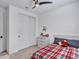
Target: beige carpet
x: 4, y: 57
x: 24, y: 54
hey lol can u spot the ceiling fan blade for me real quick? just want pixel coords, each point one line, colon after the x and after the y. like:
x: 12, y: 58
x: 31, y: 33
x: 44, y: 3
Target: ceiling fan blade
x: 37, y: 3
x: 33, y: 7
x: 46, y: 2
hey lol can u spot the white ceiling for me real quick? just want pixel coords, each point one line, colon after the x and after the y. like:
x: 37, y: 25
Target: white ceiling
x: 38, y: 10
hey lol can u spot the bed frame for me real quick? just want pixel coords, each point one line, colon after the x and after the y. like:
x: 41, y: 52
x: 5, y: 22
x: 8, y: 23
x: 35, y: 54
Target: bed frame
x: 72, y: 42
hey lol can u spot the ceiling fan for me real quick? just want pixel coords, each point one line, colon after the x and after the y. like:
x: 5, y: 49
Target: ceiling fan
x: 37, y: 3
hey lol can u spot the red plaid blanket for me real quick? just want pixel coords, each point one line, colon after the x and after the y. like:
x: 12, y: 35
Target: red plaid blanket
x: 54, y: 51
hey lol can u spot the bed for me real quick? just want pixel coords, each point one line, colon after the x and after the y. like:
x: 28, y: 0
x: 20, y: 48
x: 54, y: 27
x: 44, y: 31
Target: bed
x: 55, y: 51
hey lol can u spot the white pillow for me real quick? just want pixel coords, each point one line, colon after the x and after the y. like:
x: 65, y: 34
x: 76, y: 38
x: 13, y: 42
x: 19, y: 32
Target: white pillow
x: 59, y: 43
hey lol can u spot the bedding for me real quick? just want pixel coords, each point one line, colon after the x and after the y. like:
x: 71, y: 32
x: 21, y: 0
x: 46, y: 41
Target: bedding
x: 54, y: 51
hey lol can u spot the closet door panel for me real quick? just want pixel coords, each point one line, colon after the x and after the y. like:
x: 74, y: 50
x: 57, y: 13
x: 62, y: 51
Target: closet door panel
x: 20, y: 32
x: 2, y: 46
x: 26, y: 30
x: 32, y: 30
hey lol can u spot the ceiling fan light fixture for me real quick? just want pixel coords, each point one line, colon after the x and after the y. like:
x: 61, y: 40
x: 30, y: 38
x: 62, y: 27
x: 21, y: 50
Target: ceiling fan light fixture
x: 37, y: 5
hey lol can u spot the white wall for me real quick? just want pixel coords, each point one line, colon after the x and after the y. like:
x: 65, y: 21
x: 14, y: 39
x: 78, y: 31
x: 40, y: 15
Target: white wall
x: 12, y: 35
x: 61, y: 21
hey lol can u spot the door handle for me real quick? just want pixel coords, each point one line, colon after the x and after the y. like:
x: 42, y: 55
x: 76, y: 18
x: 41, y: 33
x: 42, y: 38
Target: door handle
x: 19, y: 36
x: 1, y: 36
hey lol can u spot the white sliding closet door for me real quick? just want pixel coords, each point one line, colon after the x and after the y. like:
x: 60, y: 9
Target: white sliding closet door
x: 26, y: 31
x: 1, y: 31
x: 31, y: 31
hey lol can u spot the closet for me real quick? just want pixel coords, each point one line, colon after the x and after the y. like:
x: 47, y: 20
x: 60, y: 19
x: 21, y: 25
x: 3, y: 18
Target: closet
x: 26, y: 30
